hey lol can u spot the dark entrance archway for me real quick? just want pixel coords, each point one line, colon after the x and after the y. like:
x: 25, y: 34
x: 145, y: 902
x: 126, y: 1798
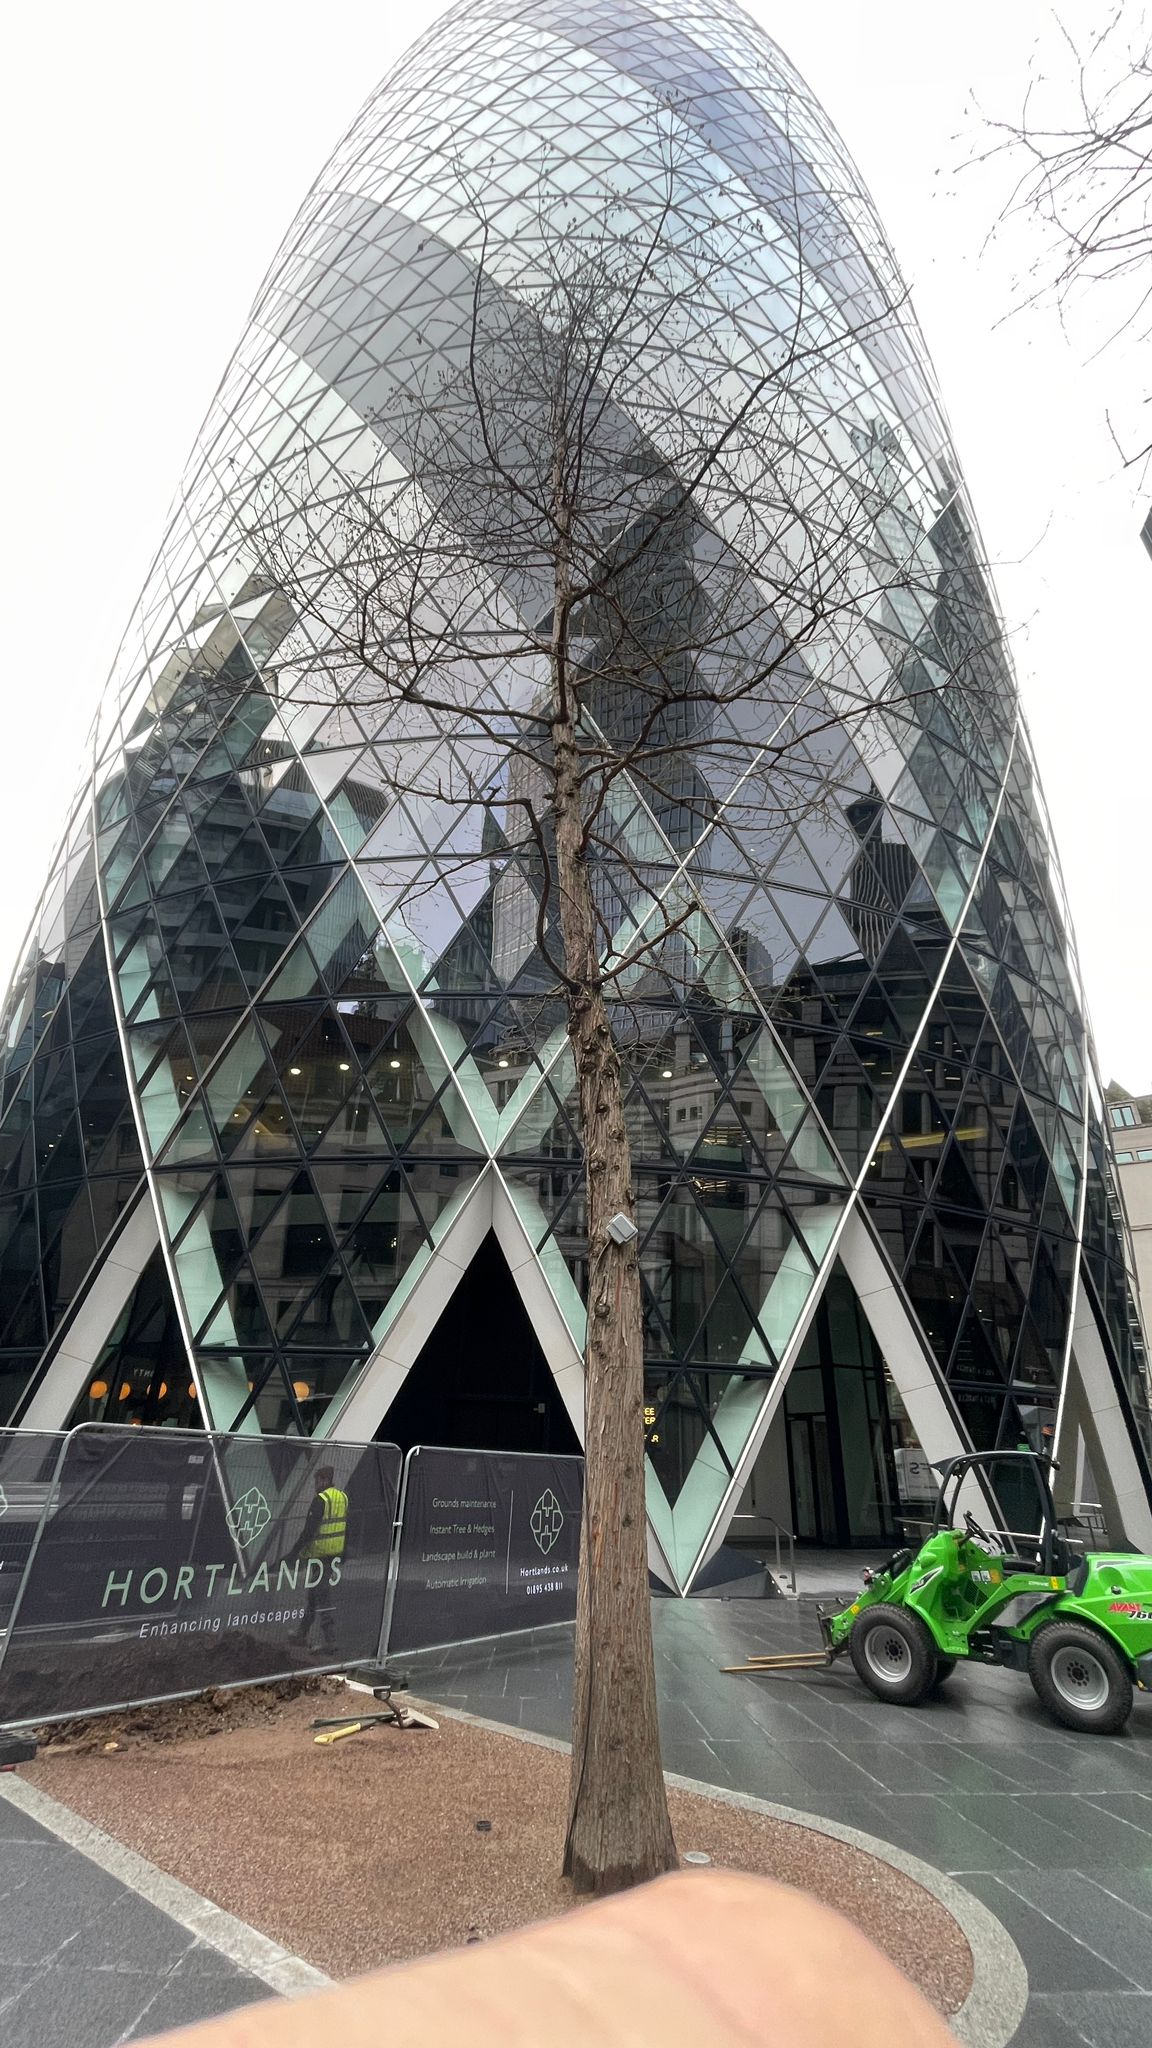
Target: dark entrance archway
x: 842, y: 1474
x: 481, y: 1381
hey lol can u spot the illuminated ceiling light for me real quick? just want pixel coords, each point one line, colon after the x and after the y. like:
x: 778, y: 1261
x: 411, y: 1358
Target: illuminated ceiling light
x: 97, y: 1390
x: 344, y: 1067
x: 501, y: 1063
x: 192, y: 1394
x: 393, y: 1063
x: 293, y: 1070
x: 125, y: 1390
x: 666, y: 1073
x: 163, y: 1390
x: 301, y: 1389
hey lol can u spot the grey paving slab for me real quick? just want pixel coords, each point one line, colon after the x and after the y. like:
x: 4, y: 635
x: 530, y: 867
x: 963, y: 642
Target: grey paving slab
x: 937, y: 1828
x: 14, y: 1978
x: 1043, y: 2026
x: 85, y: 1961
x: 1109, y: 2020
x: 1051, y: 1955
x: 1134, y: 1887
x: 20, y: 1827
x: 1101, y: 1836
x: 977, y: 1781
x: 1133, y: 1809
x: 997, y: 1767
x: 1044, y: 1835
x: 61, y: 2008
x: 756, y: 1769
x: 1086, y: 1912
x: 50, y: 1896
x: 187, y: 1997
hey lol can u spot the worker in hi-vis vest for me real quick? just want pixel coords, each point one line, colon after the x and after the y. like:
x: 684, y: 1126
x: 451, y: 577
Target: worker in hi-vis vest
x: 323, y: 1537
x: 327, y: 1523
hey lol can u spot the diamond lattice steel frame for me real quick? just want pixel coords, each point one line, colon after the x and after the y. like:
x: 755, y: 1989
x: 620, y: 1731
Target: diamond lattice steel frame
x: 270, y: 1074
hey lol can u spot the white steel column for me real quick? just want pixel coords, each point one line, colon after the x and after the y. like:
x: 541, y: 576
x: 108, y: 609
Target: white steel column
x: 1114, y: 1463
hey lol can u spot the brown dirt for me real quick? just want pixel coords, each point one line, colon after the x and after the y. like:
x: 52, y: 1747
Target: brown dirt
x: 369, y: 1850
x: 217, y: 1712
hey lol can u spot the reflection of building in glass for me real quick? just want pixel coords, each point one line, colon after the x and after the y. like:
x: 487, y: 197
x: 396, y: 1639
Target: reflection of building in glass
x: 288, y: 1137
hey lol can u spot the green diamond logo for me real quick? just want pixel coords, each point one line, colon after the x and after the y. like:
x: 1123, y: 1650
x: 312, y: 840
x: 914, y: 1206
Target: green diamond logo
x: 249, y: 1516
x: 547, y: 1520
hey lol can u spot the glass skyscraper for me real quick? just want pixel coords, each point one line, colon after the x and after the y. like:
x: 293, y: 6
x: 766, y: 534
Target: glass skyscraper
x: 285, y: 1144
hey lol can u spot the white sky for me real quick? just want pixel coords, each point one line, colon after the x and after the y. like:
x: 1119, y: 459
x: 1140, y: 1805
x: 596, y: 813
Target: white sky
x: 152, y: 159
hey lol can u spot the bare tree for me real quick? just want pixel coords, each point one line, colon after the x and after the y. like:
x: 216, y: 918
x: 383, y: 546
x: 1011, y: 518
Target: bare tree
x: 612, y: 591
x: 1081, y: 148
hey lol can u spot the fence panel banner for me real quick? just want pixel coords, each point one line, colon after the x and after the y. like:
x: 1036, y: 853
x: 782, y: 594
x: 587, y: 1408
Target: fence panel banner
x: 490, y: 1543
x: 28, y: 1459
x: 170, y: 1561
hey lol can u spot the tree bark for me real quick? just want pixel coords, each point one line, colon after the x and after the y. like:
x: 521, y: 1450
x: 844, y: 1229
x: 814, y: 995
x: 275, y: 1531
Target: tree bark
x: 619, y: 1832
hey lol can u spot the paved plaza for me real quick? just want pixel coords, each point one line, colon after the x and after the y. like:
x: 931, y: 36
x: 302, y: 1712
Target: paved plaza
x: 85, y: 1961
x: 1053, y: 1831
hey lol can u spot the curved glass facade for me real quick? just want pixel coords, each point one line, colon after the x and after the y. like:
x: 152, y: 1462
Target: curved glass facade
x: 281, y: 1074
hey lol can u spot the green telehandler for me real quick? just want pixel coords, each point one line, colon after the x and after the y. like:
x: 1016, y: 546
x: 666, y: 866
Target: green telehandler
x: 1079, y: 1625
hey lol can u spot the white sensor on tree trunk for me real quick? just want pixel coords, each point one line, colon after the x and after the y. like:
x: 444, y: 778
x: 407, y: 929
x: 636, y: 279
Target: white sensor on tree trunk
x: 621, y: 1228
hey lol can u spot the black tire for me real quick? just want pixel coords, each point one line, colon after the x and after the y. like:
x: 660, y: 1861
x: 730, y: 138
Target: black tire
x: 945, y: 1666
x: 1080, y: 1677
x: 894, y: 1654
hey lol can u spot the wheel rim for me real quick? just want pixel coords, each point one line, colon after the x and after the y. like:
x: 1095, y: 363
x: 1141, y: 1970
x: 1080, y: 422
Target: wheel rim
x: 1080, y: 1678
x: 887, y: 1654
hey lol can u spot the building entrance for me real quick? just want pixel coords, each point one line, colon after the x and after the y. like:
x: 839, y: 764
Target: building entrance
x: 828, y: 1470
x: 482, y: 1382
x: 840, y: 1468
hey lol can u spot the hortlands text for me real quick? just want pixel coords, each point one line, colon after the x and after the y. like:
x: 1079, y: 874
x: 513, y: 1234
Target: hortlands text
x: 188, y: 1582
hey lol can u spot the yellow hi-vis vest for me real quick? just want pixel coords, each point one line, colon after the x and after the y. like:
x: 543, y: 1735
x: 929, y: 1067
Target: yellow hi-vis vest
x: 329, y: 1538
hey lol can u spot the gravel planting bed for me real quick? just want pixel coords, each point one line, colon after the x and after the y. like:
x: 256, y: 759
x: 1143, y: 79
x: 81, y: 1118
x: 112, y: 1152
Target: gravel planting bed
x: 392, y: 1843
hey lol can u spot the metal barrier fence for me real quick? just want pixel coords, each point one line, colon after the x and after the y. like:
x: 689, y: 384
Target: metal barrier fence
x: 28, y: 1461
x: 488, y: 1544
x: 159, y: 1562
x: 140, y: 1565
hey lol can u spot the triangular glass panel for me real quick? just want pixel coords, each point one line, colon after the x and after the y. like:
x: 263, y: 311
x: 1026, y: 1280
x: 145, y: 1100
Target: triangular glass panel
x: 401, y: 1087
x: 355, y: 1132
x: 355, y: 809
x: 833, y: 940
x: 237, y: 1082
x: 973, y: 1357
x: 647, y: 1137
x: 194, y: 1140
x: 954, y: 1183
x: 765, y: 1069
x: 263, y: 1133
x: 326, y: 769
x: 810, y: 1156
x: 800, y: 913
x: 380, y: 1247
x: 298, y: 978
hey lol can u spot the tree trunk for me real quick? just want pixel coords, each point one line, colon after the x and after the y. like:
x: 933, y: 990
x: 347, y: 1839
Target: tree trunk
x: 619, y: 1832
